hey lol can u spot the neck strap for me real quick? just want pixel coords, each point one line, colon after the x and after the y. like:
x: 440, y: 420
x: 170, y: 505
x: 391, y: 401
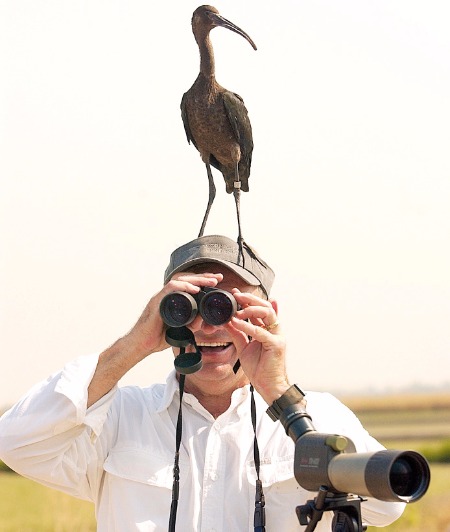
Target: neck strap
x: 259, y: 519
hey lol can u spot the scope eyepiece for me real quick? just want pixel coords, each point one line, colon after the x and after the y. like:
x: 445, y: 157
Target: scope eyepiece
x: 216, y: 307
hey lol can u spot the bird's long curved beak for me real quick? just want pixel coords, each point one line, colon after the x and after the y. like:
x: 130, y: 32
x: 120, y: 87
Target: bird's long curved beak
x: 218, y: 20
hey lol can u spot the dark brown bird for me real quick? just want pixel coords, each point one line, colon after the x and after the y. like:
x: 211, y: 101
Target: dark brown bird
x: 215, y: 119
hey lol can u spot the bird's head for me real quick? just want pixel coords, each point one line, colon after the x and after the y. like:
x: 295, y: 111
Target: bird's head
x: 205, y: 18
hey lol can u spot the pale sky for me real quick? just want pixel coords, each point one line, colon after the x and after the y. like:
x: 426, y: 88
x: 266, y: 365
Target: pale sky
x: 349, y: 190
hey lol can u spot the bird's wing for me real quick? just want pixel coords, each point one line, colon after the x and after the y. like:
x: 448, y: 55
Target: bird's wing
x: 238, y: 116
x: 185, y: 119
x: 240, y: 123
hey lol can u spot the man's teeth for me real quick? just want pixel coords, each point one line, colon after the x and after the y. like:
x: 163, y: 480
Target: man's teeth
x: 213, y: 344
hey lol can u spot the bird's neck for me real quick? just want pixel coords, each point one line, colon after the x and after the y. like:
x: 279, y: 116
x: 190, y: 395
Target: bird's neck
x: 207, y: 65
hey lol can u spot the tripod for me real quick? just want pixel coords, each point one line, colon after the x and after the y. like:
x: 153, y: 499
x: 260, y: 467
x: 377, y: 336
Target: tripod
x: 346, y: 508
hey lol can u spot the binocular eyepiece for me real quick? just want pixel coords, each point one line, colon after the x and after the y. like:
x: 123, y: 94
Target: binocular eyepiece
x: 215, y: 306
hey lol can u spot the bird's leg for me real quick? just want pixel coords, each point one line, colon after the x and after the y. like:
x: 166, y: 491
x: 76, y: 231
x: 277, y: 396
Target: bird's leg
x: 212, y: 195
x: 237, y: 199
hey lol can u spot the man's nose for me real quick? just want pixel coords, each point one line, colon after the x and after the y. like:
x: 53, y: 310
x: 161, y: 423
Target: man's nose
x: 199, y: 324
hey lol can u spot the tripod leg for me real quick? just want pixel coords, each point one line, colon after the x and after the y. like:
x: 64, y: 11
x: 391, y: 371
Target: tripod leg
x: 212, y: 195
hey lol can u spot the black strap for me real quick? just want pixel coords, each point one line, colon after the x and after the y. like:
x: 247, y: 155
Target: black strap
x: 259, y: 520
x: 176, y: 467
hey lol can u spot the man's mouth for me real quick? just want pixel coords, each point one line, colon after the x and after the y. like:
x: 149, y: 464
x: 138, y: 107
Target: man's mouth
x: 212, y: 347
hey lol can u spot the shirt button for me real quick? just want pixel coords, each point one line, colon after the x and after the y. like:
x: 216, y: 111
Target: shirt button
x: 216, y: 426
x: 214, y: 476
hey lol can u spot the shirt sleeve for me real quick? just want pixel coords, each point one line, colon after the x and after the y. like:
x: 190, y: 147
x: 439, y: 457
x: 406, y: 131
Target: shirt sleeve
x: 329, y: 415
x: 49, y: 434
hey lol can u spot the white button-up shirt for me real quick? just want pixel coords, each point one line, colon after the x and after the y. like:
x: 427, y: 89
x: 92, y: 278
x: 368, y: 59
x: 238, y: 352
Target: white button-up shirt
x: 119, y: 454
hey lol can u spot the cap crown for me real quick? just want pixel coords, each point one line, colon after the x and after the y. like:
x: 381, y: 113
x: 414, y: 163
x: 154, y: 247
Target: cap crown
x: 222, y: 250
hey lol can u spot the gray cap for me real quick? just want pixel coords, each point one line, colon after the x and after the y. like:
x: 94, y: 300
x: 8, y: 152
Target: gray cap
x: 222, y: 250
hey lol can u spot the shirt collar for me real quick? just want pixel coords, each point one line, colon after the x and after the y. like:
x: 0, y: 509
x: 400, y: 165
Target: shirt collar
x: 239, y: 398
x: 170, y: 389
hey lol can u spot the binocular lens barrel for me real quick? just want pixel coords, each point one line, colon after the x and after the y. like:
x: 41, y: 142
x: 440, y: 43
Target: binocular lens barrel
x: 178, y: 309
x: 216, y: 307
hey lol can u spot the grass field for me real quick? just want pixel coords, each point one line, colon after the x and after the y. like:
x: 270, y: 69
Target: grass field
x: 420, y: 423
x: 29, y: 507
x: 401, y: 418
x: 432, y: 512
x: 398, y: 422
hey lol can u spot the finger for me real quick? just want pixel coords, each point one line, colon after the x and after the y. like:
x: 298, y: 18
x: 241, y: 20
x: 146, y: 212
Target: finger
x: 191, y: 282
x: 257, y: 332
x: 265, y: 314
x: 240, y: 340
x: 253, y: 316
x: 274, y: 325
x: 208, y: 278
x: 246, y: 298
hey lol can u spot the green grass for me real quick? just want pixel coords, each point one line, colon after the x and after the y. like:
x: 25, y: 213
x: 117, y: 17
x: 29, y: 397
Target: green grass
x: 26, y: 506
x: 432, y: 512
x: 420, y: 423
x: 417, y: 422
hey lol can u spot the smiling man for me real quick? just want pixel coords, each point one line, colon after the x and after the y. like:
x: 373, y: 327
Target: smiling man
x: 80, y: 433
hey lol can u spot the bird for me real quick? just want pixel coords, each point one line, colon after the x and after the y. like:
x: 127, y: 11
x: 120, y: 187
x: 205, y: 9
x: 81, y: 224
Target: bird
x: 215, y: 119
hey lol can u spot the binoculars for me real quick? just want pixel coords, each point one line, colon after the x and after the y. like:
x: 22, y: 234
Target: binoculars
x: 215, y: 306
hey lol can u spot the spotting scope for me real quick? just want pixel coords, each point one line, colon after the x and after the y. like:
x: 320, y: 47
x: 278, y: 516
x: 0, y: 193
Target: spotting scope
x: 331, y: 461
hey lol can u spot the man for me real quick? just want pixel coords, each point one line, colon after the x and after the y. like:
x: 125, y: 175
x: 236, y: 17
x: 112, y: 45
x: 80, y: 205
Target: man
x: 80, y: 433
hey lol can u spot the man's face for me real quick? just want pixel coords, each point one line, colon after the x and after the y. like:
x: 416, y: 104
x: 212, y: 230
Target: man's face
x: 216, y: 343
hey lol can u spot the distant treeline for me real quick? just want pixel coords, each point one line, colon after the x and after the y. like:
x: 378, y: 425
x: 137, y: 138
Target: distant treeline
x: 437, y: 453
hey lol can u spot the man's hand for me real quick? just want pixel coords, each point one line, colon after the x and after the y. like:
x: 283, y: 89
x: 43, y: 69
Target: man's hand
x: 146, y: 337
x: 263, y: 358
